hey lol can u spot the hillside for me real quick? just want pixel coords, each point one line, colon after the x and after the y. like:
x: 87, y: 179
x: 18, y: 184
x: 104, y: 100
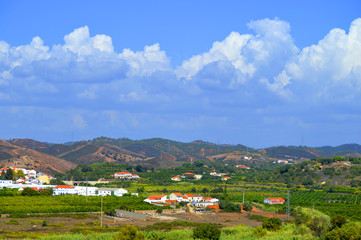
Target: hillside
x: 158, y: 152
x: 12, y: 155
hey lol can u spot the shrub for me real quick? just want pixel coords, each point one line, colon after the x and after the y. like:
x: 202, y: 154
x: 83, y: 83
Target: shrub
x: 44, y: 224
x: 319, y: 226
x: 272, y: 224
x: 207, y: 231
x: 338, y: 221
x: 159, y: 210
x: 259, y: 232
x: 347, y: 231
x: 13, y: 222
x: 258, y: 217
x: 130, y: 233
x: 301, y: 230
x: 247, y: 206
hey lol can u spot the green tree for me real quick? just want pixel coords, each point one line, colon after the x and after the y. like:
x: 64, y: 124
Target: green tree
x: 272, y: 224
x: 338, y: 221
x: 9, y: 174
x: 29, y: 192
x: 207, y: 231
x: 130, y: 233
x: 247, y: 206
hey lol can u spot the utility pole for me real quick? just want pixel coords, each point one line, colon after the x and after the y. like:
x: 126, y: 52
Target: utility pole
x: 288, y: 204
x: 168, y: 146
x: 243, y: 195
x: 101, y: 211
x: 86, y: 190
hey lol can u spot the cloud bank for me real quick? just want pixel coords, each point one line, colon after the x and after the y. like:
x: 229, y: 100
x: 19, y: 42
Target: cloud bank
x: 256, y: 84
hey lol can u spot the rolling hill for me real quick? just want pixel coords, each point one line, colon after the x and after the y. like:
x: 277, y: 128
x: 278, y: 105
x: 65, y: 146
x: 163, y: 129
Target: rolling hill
x: 154, y: 152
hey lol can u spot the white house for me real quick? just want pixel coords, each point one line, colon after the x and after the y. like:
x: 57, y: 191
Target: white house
x: 6, y: 182
x: 81, y: 190
x: 156, y: 199
x: 274, y: 200
x: 176, y: 196
x: 64, y: 190
x: 122, y: 175
x: 32, y: 173
x: 206, y: 201
x: 197, y: 197
x: 176, y: 178
x: 197, y: 176
x: 118, y: 192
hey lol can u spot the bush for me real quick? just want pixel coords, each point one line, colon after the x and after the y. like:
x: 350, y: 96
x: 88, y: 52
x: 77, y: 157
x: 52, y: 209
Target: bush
x: 130, y: 233
x: 44, y: 224
x: 159, y: 211
x: 347, y: 231
x: 319, y: 226
x: 247, y: 206
x: 13, y: 222
x: 207, y: 231
x: 338, y: 221
x: 272, y: 224
x: 259, y: 232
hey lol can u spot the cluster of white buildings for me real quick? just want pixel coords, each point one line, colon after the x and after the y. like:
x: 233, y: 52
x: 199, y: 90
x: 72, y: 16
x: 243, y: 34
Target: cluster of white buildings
x: 223, y: 176
x: 125, y: 175
x: 28, y: 176
x: 88, y: 191
x: 195, y: 200
x: 188, y: 175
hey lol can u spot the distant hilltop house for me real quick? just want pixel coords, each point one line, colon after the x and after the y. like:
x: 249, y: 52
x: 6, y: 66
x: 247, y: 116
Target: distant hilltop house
x: 247, y: 158
x: 188, y: 175
x: 125, y: 175
x: 242, y: 167
x: 176, y: 178
x: 274, y: 200
x: 214, y: 174
x: 224, y: 178
x: 282, y: 161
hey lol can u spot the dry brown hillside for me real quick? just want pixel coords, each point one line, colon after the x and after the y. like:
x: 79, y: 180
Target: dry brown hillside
x: 15, y: 156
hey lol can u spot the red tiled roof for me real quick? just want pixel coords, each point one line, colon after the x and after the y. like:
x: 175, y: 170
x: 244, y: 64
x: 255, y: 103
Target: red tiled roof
x: 178, y: 194
x: 188, y: 173
x: 189, y: 195
x: 275, y: 198
x: 155, y: 197
x: 63, y: 186
x: 123, y: 173
x: 207, y: 198
x: 213, y: 206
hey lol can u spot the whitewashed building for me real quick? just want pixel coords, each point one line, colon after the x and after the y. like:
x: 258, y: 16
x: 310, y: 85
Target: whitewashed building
x: 118, y: 192
x: 64, y: 190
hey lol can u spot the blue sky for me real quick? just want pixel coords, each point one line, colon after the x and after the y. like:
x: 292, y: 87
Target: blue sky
x: 259, y: 73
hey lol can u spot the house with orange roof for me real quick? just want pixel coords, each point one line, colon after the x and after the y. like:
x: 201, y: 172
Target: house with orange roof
x: 176, y: 196
x: 224, y: 178
x: 242, y: 167
x: 188, y: 175
x: 122, y: 175
x: 274, y: 200
x: 156, y: 199
x: 214, y: 207
x: 64, y: 190
x: 176, y: 178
